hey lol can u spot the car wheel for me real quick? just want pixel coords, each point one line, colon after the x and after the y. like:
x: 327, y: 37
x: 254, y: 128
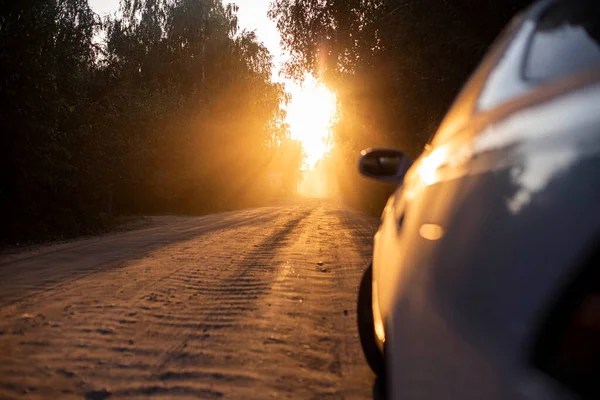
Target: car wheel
x: 366, y: 327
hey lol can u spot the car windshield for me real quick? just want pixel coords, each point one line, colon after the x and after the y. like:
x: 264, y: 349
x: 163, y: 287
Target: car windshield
x: 465, y: 105
x: 567, y: 40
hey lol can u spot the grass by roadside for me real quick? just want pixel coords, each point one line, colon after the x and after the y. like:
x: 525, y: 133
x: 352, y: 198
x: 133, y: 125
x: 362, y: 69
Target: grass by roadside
x: 111, y: 224
x: 65, y: 227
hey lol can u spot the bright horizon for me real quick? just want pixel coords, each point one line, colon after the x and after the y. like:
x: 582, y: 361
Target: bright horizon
x: 104, y: 7
x: 312, y: 106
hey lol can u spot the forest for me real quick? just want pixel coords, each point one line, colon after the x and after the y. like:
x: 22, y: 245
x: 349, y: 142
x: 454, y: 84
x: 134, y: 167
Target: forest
x: 165, y: 108
x: 395, y: 66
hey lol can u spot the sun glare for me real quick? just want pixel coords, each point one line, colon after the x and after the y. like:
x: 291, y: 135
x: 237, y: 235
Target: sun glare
x: 310, y: 114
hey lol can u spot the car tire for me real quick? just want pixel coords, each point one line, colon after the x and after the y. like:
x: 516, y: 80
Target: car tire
x: 366, y: 327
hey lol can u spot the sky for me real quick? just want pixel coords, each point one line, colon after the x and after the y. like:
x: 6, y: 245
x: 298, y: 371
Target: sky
x: 104, y: 7
x: 312, y: 106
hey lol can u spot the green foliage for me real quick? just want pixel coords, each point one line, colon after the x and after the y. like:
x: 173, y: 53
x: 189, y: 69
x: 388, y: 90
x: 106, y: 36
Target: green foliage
x: 166, y: 108
x: 396, y: 65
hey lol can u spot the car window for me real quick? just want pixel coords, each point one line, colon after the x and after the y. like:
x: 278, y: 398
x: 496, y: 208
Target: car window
x: 504, y: 81
x: 566, y: 40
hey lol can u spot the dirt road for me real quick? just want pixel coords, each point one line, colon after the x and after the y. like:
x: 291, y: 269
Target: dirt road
x: 254, y: 304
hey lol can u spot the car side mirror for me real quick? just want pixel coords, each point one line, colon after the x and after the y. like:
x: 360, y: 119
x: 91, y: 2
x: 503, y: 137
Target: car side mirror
x: 387, y: 165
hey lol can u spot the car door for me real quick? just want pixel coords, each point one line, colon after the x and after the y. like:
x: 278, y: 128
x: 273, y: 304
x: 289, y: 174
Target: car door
x: 475, y: 256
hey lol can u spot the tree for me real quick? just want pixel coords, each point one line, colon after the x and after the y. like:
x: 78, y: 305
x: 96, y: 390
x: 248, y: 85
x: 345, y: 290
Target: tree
x: 173, y: 111
x: 46, y: 53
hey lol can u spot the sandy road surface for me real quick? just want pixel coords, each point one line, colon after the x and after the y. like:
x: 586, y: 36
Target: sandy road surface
x: 232, y: 305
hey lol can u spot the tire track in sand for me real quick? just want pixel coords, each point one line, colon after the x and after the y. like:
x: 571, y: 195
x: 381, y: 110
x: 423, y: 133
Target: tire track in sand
x: 235, y: 295
x: 244, y: 312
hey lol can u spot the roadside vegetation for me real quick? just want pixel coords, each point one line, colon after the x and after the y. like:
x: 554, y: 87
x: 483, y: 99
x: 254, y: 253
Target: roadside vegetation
x: 165, y: 107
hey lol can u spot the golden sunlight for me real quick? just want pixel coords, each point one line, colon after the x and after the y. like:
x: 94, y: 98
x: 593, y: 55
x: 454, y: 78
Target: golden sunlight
x: 310, y: 114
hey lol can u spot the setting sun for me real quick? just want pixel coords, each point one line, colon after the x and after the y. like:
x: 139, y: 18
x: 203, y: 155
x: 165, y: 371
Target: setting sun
x: 313, y: 106
x: 310, y: 114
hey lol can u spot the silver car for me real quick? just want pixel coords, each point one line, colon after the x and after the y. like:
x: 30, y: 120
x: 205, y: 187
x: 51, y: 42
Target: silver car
x: 485, y: 280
